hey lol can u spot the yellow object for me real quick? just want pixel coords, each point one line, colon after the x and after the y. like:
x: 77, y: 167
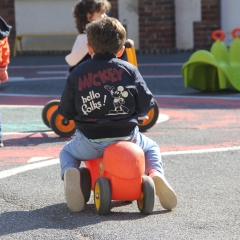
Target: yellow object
x: 131, y: 56
x: 97, y: 196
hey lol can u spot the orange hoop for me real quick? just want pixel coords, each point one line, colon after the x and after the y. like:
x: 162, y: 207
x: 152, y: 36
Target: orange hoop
x: 235, y: 31
x: 218, y: 35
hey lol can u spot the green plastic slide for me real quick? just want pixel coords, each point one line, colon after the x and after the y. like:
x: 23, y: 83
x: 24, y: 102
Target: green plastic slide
x: 217, y: 69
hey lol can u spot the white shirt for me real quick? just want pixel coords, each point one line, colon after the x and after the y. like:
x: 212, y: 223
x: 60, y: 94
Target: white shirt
x: 79, y: 50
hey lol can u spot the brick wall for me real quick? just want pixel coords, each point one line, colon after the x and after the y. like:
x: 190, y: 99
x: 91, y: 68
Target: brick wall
x: 7, y: 12
x: 114, y: 9
x: 210, y: 22
x: 156, y: 26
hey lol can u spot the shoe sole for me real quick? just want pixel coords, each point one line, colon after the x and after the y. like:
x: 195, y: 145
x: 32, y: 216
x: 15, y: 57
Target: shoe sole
x: 73, y: 193
x: 165, y: 193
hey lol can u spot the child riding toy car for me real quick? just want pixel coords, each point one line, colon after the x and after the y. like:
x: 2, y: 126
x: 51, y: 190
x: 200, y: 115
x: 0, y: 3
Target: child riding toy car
x: 66, y: 128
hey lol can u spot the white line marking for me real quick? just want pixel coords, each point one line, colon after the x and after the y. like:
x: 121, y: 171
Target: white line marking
x: 223, y: 149
x: 28, y: 95
x: 157, y: 96
x: 160, y: 64
x: 197, y: 97
x: 15, y: 79
x: 144, y: 75
x: 44, y: 78
x: 15, y: 171
x: 67, y: 66
x: 38, y: 66
x: 38, y: 159
x: 52, y: 72
x: 161, y: 76
x: 162, y: 118
x: 21, y: 106
x: 65, y: 78
x: 27, y: 133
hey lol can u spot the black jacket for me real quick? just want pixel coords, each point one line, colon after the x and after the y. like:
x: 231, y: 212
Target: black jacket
x: 105, y: 95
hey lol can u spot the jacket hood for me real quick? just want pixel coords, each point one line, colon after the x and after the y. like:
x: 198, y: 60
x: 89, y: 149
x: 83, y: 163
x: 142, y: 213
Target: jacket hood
x: 4, y: 29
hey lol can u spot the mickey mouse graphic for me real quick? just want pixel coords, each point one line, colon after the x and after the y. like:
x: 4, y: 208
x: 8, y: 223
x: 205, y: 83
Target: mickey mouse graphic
x: 119, y: 94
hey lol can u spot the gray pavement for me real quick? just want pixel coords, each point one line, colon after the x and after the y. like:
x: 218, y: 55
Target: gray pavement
x: 164, y: 86
x: 207, y: 186
x: 28, y: 60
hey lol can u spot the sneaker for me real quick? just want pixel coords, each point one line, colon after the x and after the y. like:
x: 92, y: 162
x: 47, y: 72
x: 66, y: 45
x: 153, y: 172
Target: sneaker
x: 73, y: 193
x: 164, y: 191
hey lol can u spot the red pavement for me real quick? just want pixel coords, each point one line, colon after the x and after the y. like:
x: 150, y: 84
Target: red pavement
x: 184, y: 113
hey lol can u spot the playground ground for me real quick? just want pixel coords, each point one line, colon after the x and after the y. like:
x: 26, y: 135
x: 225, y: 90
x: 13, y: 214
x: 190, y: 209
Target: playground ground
x: 198, y: 133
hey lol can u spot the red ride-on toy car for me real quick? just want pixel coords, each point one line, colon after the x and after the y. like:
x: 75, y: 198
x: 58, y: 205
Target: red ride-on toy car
x: 66, y: 128
x: 118, y: 175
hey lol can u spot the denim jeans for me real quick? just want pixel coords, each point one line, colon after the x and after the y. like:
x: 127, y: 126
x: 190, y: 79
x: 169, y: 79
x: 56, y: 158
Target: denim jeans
x: 81, y: 148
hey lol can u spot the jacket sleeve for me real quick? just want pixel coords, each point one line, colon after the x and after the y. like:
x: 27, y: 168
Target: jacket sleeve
x: 144, y: 98
x: 67, y: 104
x: 4, y: 52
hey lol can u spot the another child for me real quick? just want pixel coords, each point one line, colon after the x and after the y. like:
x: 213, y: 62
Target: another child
x: 4, y: 59
x: 85, y: 11
x: 4, y: 50
x: 105, y: 95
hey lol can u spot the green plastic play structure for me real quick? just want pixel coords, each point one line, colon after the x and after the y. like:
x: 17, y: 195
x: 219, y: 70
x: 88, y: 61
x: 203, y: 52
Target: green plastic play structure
x: 215, y: 70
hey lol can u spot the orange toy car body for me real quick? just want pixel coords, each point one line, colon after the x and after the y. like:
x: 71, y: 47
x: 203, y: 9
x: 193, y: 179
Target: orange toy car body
x: 118, y: 174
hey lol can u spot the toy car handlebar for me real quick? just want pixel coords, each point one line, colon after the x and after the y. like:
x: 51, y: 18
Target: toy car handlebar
x: 127, y: 44
x: 130, y: 51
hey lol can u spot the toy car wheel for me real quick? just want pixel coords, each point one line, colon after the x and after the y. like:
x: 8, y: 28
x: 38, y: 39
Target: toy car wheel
x: 62, y: 126
x: 146, y: 202
x: 48, y: 110
x: 102, y: 196
x: 151, y: 120
x: 85, y: 183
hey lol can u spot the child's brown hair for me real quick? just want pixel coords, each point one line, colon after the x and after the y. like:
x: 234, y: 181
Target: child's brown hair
x: 106, y: 35
x: 83, y: 7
